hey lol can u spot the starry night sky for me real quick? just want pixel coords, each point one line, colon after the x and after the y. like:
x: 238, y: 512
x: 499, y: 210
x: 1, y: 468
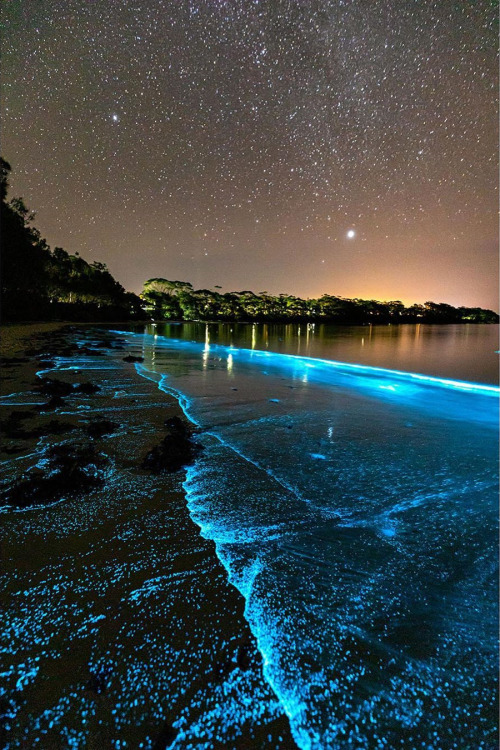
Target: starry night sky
x: 345, y: 147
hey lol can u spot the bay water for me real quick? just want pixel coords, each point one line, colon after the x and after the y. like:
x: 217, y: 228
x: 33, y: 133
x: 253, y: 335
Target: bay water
x: 349, y: 481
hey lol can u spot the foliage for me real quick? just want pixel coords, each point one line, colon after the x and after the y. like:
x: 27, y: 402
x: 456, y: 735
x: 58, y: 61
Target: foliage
x: 43, y: 284
x: 177, y: 300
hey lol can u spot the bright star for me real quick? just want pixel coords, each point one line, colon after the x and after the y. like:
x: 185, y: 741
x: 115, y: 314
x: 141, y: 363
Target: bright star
x: 351, y: 233
x: 115, y: 118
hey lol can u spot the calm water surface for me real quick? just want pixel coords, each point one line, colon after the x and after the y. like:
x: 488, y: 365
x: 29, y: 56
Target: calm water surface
x: 356, y: 512
x: 463, y: 352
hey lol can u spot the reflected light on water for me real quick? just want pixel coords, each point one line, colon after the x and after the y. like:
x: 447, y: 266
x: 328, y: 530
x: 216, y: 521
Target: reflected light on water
x: 461, y: 352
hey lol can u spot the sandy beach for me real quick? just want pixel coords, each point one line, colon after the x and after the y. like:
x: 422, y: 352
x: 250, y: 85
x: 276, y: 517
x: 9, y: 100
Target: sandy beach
x: 118, y: 626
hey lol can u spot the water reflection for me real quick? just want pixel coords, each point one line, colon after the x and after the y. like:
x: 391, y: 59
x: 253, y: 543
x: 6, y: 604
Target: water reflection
x: 464, y: 352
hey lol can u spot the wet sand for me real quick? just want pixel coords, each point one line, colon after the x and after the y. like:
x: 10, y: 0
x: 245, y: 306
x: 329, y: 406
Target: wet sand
x: 118, y: 626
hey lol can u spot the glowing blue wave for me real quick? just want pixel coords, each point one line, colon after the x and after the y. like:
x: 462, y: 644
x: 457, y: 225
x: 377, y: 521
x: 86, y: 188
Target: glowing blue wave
x: 420, y: 509
x: 290, y: 360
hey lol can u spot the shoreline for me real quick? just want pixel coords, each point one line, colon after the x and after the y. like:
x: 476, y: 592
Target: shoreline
x: 128, y: 640
x: 247, y: 321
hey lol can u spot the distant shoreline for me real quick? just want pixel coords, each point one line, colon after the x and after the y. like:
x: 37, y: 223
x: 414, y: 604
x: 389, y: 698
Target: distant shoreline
x: 215, y: 321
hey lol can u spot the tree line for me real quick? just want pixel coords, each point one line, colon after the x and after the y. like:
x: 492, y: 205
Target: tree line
x: 177, y: 300
x: 38, y: 283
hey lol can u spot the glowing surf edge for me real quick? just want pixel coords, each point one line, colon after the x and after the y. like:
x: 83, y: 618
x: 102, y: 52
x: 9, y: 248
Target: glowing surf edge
x: 305, y: 737
x: 421, y: 378
x: 291, y: 706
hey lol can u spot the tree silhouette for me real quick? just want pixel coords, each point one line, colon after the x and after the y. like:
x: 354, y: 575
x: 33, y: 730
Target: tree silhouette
x: 168, y: 300
x: 41, y: 284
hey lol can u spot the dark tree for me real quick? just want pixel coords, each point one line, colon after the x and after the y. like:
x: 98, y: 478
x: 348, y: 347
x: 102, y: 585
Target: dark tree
x: 169, y: 300
x: 40, y: 284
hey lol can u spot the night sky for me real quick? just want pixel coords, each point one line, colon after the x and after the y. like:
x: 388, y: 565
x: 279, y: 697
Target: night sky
x: 345, y: 147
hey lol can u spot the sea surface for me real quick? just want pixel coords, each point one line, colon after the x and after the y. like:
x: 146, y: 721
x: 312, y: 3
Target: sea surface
x: 349, y: 481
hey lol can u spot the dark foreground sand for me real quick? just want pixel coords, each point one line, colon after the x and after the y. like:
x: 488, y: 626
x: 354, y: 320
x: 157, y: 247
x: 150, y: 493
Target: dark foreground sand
x: 118, y: 627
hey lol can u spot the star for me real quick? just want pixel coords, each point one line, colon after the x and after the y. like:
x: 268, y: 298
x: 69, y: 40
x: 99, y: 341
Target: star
x: 272, y: 124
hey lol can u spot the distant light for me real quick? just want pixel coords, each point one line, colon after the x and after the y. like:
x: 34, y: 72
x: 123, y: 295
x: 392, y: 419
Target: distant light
x: 115, y: 118
x: 351, y: 234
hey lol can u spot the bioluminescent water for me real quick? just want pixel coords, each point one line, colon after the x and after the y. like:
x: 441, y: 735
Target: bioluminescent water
x: 461, y: 352
x: 355, y: 510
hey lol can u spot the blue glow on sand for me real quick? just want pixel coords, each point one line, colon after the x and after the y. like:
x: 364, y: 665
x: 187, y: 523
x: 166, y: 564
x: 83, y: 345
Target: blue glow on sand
x: 161, y: 665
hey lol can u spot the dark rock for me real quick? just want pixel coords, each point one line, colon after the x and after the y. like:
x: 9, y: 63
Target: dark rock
x: 245, y: 656
x: 176, y: 450
x: 222, y: 669
x: 177, y: 424
x: 54, y: 427
x: 58, y: 388
x: 166, y: 737
x: 100, y: 679
x: 101, y: 427
x: 69, y: 455
x: 12, y: 427
x: 54, y: 403
x: 87, y: 388
x: 54, y: 387
x: 69, y: 470
x: 130, y: 358
x: 68, y: 351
